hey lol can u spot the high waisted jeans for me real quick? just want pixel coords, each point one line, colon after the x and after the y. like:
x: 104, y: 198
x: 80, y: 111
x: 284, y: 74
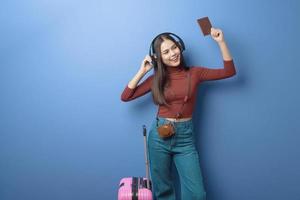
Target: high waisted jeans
x: 181, y: 150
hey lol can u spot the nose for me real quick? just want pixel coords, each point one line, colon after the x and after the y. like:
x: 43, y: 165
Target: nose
x: 172, y: 53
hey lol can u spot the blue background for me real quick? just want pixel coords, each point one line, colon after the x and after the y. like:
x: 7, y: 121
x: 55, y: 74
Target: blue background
x: 65, y: 134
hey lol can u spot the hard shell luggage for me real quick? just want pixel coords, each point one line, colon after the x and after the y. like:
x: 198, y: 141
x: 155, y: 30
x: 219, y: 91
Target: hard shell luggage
x: 137, y: 188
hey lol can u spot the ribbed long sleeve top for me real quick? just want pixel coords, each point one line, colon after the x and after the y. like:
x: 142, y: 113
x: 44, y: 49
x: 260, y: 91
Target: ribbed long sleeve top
x: 177, y: 87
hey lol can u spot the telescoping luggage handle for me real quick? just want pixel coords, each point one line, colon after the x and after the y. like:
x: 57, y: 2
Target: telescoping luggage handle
x: 146, y: 155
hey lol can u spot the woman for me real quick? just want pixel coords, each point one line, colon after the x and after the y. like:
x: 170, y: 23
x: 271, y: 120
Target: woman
x: 174, y: 86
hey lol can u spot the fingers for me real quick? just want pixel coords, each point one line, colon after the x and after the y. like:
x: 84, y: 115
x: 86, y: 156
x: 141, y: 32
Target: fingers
x: 147, y: 63
x: 215, y: 32
x: 147, y: 59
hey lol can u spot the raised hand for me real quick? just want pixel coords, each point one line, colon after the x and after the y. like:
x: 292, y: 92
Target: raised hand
x: 146, y: 64
x: 217, y: 34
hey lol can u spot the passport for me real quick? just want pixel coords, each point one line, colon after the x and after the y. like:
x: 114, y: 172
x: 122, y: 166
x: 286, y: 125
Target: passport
x: 205, y: 25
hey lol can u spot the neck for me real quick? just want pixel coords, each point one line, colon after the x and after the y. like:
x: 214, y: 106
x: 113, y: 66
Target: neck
x: 175, y: 69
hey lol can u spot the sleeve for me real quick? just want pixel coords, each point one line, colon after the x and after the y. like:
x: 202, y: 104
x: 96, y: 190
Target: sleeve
x: 206, y: 74
x: 143, y: 88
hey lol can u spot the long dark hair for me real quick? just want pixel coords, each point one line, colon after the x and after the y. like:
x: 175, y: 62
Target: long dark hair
x: 160, y: 79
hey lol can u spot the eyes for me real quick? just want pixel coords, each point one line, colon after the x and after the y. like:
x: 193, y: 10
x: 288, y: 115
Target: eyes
x: 167, y: 51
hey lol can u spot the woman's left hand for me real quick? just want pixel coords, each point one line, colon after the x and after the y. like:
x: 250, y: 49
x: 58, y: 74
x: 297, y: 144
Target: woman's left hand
x: 217, y: 35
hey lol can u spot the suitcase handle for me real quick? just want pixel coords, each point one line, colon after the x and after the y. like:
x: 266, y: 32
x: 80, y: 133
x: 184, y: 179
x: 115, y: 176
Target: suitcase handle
x: 146, y: 155
x: 144, y: 130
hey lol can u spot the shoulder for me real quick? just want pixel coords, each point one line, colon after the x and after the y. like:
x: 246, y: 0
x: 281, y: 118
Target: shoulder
x: 196, y: 69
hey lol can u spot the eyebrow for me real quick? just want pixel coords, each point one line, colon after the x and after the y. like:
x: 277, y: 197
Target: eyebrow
x: 169, y: 48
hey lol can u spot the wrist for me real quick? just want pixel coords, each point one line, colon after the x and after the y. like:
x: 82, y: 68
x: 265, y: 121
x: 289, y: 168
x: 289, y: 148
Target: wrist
x: 222, y: 42
x: 141, y: 72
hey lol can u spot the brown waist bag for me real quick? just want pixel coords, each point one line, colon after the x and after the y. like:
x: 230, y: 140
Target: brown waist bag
x: 166, y: 130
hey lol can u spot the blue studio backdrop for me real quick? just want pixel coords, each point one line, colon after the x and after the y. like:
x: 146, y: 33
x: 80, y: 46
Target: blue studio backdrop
x: 66, y: 135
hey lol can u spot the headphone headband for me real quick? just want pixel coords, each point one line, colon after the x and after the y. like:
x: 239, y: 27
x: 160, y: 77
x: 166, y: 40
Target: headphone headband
x: 151, y: 50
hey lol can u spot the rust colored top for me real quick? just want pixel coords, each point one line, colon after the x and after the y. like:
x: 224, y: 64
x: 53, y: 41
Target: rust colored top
x: 177, y: 89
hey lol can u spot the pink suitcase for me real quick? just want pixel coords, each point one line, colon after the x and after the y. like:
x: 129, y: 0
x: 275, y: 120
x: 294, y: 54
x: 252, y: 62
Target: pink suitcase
x: 137, y: 188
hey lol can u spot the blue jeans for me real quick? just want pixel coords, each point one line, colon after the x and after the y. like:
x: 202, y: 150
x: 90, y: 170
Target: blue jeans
x: 180, y: 149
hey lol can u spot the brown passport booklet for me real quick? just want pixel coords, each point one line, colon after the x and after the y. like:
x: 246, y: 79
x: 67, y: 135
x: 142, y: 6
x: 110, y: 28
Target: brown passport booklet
x: 205, y: 25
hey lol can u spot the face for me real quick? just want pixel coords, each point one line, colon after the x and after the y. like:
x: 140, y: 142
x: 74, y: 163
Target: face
x: 170, y: 53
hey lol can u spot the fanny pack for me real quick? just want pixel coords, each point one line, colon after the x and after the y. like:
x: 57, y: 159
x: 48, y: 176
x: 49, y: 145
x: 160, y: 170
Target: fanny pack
x: 167, y: 129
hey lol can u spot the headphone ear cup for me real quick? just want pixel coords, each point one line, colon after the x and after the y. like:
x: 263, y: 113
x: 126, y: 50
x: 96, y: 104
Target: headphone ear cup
x: 154, y: 64
x: 153, y: 60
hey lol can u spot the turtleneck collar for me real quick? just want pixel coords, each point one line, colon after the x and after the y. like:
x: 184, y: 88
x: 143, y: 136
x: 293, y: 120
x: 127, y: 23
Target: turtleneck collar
x: 176, y: 69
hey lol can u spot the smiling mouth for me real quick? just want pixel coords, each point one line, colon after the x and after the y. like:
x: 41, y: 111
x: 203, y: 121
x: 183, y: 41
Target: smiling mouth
x: 175, y: 59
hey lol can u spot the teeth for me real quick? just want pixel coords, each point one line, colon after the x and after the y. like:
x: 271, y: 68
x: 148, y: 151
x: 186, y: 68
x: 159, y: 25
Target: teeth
x: 174, y: 59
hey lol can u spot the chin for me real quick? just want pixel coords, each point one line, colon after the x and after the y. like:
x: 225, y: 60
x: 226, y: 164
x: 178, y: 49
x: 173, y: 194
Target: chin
x: 174, y: 64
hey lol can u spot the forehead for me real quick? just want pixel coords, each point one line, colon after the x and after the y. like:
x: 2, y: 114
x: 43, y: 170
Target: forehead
x: 166, y: 44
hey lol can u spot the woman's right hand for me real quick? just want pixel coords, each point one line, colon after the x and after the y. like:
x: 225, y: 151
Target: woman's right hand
x: 146, y: 65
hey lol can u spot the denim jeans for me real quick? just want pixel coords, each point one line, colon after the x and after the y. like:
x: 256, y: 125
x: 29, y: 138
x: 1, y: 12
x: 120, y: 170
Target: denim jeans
x: 179, y: 149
